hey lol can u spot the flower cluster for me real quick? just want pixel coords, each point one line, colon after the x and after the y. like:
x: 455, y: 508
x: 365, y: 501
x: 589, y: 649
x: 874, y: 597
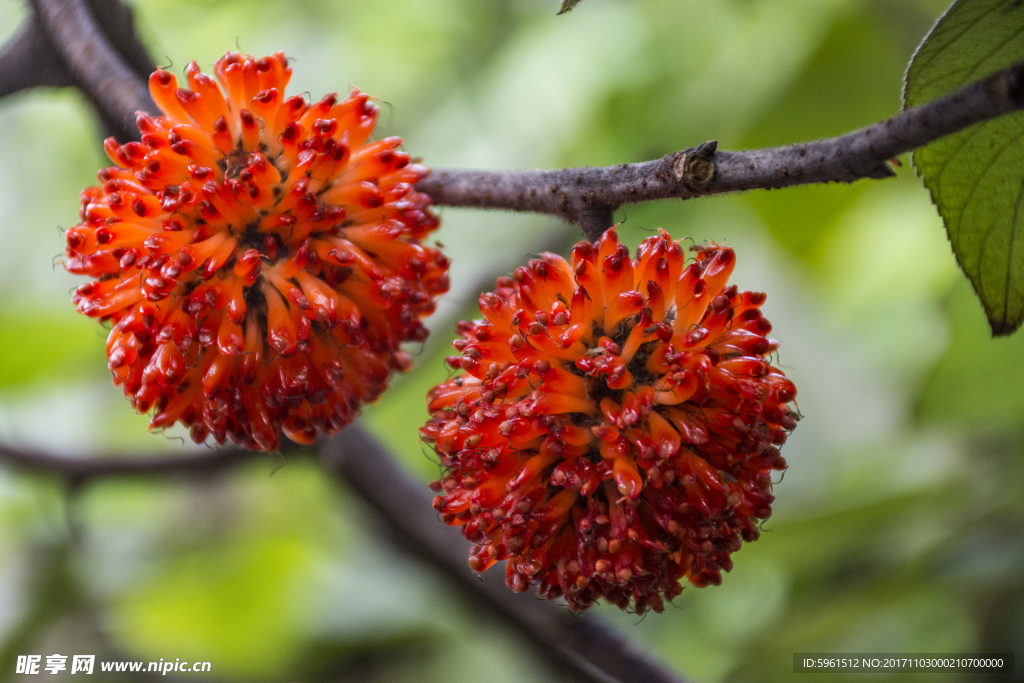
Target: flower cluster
x: 257, y: 257
x: 615, y: 424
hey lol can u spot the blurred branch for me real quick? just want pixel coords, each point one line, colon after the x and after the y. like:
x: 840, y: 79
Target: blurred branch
x: 108, y: 64
x: 82, y: 468
x: 117, y: 23
x: 588, y: 196
x: 29, y: 60
x: 583, y: 647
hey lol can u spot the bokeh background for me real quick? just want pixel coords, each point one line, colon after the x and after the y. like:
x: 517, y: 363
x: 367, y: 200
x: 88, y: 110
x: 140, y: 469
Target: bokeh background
x: 899, y: 526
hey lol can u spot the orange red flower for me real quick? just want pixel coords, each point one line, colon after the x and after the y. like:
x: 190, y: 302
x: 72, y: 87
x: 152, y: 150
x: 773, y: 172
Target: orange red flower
x: 258, y: 257
x: 615, y: 423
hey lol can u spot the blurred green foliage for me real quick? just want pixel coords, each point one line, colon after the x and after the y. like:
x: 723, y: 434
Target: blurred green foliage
x: 897, y: 528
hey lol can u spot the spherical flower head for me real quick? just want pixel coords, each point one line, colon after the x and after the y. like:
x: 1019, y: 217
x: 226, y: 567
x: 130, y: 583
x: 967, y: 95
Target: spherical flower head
x: 258, y: 258
x: 615, y: 423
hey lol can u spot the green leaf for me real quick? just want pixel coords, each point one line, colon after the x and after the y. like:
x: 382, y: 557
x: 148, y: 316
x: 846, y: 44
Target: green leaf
x: 976, y: 176
x: 568, y: 5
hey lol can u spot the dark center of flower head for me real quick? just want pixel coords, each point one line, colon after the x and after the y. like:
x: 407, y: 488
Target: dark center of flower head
x: 616, y: 424
x: 258, y: 256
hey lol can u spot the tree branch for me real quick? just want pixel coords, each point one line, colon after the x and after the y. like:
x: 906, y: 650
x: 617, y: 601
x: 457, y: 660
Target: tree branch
x: 117, y: 22
x: 583, y: 647
x: 578, y: 194
x: 83, y: 468
x: 100, y: 71
x: 29, y: 60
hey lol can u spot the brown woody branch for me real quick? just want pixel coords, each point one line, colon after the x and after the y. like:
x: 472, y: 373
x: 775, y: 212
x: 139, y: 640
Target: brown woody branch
x: 29, y: 60
x: 79, y: 469
x: 103, y: 58
x: 588, y: 196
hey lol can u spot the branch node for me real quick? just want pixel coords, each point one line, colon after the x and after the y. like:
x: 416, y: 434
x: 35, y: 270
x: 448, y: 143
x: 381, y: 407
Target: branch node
x: 696, y: 167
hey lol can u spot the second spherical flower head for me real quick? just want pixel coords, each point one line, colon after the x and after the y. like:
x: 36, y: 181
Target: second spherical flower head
x: 614, y: 424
